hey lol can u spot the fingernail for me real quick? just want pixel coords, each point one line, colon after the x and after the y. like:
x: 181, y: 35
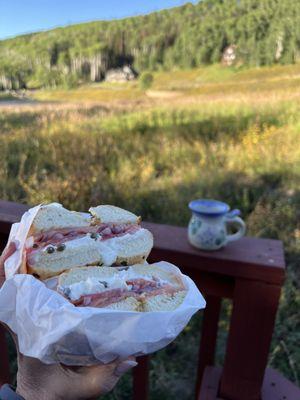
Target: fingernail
x: 124, y: 367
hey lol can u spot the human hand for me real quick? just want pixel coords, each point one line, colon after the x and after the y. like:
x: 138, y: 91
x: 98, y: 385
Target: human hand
x: 36, y: 380
x: 7, y: 252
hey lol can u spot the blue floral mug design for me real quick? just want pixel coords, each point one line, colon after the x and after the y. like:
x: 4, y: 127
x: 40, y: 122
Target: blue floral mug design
x: 207, y: 229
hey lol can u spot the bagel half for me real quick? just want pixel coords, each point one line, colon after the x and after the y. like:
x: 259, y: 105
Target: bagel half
x: 54, y: 216
x: 143, y: 288
x: 107, y: 213
x: 60, y: 239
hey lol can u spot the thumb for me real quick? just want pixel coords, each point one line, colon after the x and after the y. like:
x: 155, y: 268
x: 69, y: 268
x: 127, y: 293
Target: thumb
x: 106, y: 376
x: 7, y: 252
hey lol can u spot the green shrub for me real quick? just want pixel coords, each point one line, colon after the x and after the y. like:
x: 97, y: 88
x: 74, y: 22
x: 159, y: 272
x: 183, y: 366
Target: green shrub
x: 70, y: 81
x: 146, y: 80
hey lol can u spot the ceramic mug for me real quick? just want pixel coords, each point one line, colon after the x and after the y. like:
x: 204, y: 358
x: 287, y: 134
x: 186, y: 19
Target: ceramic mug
x: 207, y: 229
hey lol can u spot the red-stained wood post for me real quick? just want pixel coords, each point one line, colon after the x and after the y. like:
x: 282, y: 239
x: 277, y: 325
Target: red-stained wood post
x: 252, y: 323
x: 208, y: 337
x: 141, y: 378
x: 4, y: 360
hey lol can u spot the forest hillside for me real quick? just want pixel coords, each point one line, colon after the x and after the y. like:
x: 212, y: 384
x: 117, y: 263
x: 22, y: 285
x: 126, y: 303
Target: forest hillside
x: 263, y: 32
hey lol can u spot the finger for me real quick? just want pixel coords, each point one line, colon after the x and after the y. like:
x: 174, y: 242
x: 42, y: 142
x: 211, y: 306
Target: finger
x: 112, y: 365
x: 107, y: 376
x: 7, y: 252
x: 115, y: 368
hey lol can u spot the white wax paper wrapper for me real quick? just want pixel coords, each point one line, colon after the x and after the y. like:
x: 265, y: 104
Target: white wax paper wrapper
x: 53, y: 330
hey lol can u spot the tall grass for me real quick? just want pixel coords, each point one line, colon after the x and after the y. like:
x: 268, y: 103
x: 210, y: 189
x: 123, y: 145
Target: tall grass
x: 153, y: 161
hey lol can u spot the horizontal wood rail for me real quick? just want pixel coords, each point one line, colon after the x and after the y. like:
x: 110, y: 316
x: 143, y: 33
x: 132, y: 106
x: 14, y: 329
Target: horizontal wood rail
x: 250, y: 272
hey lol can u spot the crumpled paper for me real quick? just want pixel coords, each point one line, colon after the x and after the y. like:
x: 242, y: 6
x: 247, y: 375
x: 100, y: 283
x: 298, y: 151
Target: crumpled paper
x: 53, y: 330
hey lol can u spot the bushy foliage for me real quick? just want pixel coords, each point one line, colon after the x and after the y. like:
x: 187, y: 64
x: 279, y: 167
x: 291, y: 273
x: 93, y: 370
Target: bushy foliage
x: 146, y: 80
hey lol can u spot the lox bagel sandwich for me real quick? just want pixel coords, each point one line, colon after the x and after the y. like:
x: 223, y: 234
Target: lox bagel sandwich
x: 136, y: 288
x: 60, y: 239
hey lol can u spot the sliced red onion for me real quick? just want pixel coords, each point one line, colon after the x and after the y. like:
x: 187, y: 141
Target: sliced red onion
x: 57, y: 236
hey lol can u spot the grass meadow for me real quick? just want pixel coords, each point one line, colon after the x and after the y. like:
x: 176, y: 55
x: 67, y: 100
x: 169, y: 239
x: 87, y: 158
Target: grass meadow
x: 230, y: 134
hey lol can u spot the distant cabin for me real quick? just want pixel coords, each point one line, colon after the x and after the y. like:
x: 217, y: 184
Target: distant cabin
x: 123, y: 74
x: 229, y: 55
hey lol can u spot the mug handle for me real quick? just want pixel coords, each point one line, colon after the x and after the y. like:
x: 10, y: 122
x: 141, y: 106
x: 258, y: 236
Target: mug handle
x: 236, y: 221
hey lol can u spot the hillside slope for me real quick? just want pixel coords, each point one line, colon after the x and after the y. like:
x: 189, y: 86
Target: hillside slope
x: 265, y: 31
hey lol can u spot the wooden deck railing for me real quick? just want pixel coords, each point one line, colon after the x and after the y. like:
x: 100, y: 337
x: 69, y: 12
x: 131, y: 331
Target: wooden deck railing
x: 250, y: 272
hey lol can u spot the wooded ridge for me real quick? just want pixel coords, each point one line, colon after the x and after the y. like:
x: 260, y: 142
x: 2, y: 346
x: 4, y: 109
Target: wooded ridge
x: 263, y: 31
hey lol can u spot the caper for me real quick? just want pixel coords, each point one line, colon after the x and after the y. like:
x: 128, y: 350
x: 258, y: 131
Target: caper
x: 94, y: 235
x: 67, y: 291
x: 124, y: 263
x: 123, y: 268
x: 61, y: 247
x: 50, y: 249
